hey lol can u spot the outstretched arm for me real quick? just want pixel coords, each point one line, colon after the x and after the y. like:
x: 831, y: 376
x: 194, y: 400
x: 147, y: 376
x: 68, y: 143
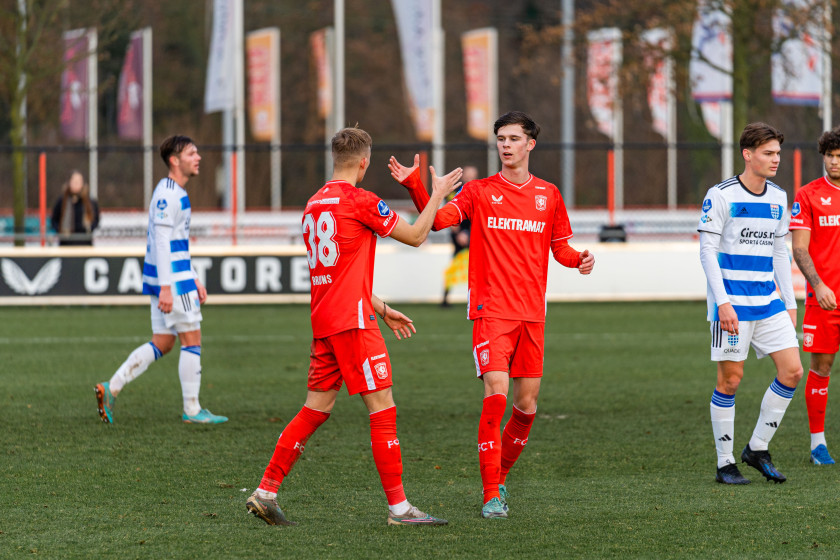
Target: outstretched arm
x: 409, y: 177
x: 414, y: 234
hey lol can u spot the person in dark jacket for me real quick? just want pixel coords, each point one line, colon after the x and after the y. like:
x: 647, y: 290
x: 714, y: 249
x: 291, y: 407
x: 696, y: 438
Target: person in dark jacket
x: 75, y: 215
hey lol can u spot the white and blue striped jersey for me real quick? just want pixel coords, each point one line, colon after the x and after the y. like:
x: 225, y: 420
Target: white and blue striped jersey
x: 170, y: 207
x: 748, y: 225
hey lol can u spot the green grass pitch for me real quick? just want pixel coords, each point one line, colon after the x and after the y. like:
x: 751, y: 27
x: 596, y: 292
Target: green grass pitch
x: 620, y: 461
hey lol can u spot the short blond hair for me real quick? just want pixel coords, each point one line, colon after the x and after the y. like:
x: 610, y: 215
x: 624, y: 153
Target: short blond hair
x: 349, y: 144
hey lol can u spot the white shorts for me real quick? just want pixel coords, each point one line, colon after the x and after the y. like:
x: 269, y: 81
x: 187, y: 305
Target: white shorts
x: 765, y: 336
x: 184, y: 317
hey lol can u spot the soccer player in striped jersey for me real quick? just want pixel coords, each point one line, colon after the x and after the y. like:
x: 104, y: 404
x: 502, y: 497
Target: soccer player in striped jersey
x: 516, y: 220
x: 175, y: 290
x: 340, y: 225
x: 742, y: 249
x: 816, y: 245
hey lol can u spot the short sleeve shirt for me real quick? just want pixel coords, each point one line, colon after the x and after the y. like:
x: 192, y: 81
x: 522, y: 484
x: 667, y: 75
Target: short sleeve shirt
x: 340, y: 225
x: 817, y: 208
x: 512, y: 227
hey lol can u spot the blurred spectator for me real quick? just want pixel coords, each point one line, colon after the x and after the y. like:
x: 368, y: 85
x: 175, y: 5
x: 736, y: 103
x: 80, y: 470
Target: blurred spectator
x: 75, y: 215
x: 458, y: 270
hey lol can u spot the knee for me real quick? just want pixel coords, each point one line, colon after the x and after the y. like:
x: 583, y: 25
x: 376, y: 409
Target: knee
x: 528, y: 405
x: 164, y: 345
x: 794, y: 375
x: 729, y: 385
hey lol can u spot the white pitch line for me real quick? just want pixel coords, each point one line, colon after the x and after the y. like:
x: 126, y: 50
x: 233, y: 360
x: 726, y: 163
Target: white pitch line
x: 137, y: 339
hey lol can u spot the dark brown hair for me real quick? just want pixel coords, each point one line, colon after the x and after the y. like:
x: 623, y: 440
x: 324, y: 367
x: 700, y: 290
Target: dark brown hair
x: 524, y: 120
x: 173, y: 146
x: 757, y: 133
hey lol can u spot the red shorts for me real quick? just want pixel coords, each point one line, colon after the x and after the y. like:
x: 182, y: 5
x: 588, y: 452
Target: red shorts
x: 821, y: 330
x: 516, y: 347
x: 357, y: 357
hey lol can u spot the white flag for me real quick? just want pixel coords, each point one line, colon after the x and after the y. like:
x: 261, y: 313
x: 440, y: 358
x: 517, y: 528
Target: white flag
x: 711, y: 117
x: 219, y: 91
x: 796, y: 71
x: 661, y: 81
x: 414, y: 27
x: 604, y: 61
x: 710, y: 68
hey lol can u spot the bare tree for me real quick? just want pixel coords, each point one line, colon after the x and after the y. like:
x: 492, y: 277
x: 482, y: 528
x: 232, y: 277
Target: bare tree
x: 31, y: 56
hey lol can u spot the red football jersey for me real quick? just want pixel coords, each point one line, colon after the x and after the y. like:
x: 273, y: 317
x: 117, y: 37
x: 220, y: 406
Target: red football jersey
x: 817, y: 208
x: 512, y: 227
x: 340, y: 224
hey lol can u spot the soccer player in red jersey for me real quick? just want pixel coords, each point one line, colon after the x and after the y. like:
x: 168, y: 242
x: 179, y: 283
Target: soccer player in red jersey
x: 340, y: 225
x: 815, y: 222
x: 516, y: 219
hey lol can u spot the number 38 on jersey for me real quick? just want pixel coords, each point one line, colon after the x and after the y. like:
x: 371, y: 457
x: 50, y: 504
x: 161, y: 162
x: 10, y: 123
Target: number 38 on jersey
x: 320, y: 239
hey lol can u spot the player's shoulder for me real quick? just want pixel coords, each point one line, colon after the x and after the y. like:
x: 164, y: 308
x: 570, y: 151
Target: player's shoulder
x: 775, y: 189
x: 167, y: 188
x: 726, y: 186
x: 814, y: 188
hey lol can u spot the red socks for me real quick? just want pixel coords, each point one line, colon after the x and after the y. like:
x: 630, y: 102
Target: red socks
x: 514, y: 439
x: 386, y: 453
x: 816, y: 397
x: 290, y: 446
x: 490, y: 444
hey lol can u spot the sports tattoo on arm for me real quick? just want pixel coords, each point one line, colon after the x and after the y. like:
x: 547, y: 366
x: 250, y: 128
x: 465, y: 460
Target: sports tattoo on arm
x: 806, y: 266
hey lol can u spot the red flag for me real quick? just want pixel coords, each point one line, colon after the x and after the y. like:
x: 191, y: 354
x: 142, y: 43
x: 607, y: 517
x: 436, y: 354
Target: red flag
x: 262, y: 50
x: 479, y: 48
x: 130, y: 91
x: 74, y: 105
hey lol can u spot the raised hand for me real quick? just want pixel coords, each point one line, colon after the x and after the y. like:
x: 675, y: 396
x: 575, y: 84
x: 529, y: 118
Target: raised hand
x: 446, y: 184
x: 400, y: 172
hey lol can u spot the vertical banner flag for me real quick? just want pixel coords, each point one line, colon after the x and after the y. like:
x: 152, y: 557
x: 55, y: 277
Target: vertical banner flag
x: 661, y: 76
x: 796, y: 70
x: 323, y: 70
x: 74, y: 79
x: 479, y: 48
x: 219, y: 90
x: 262, y: 48
x: 414, y: 27
x: 710, y: 69
x: 711, y: 117
x: 604, y: 60
x: 130, y: 91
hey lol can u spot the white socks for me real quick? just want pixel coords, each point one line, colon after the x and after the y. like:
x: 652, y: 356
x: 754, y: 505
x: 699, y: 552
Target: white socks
x: 722, y: 410
x: 189, y: 371
x: 266, y: 495
x: 400, y: 508
x: 137, y: 362
x: 773, y: 407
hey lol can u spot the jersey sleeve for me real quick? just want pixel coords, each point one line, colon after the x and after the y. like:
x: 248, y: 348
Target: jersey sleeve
x: 783, y: 227
x: 800, y: 212
x: 447, y: 216
x: 416, y: 190
x: 166, y: 209
x: 375, y: 213
x: 561, y: 228
x: 714, y: 212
